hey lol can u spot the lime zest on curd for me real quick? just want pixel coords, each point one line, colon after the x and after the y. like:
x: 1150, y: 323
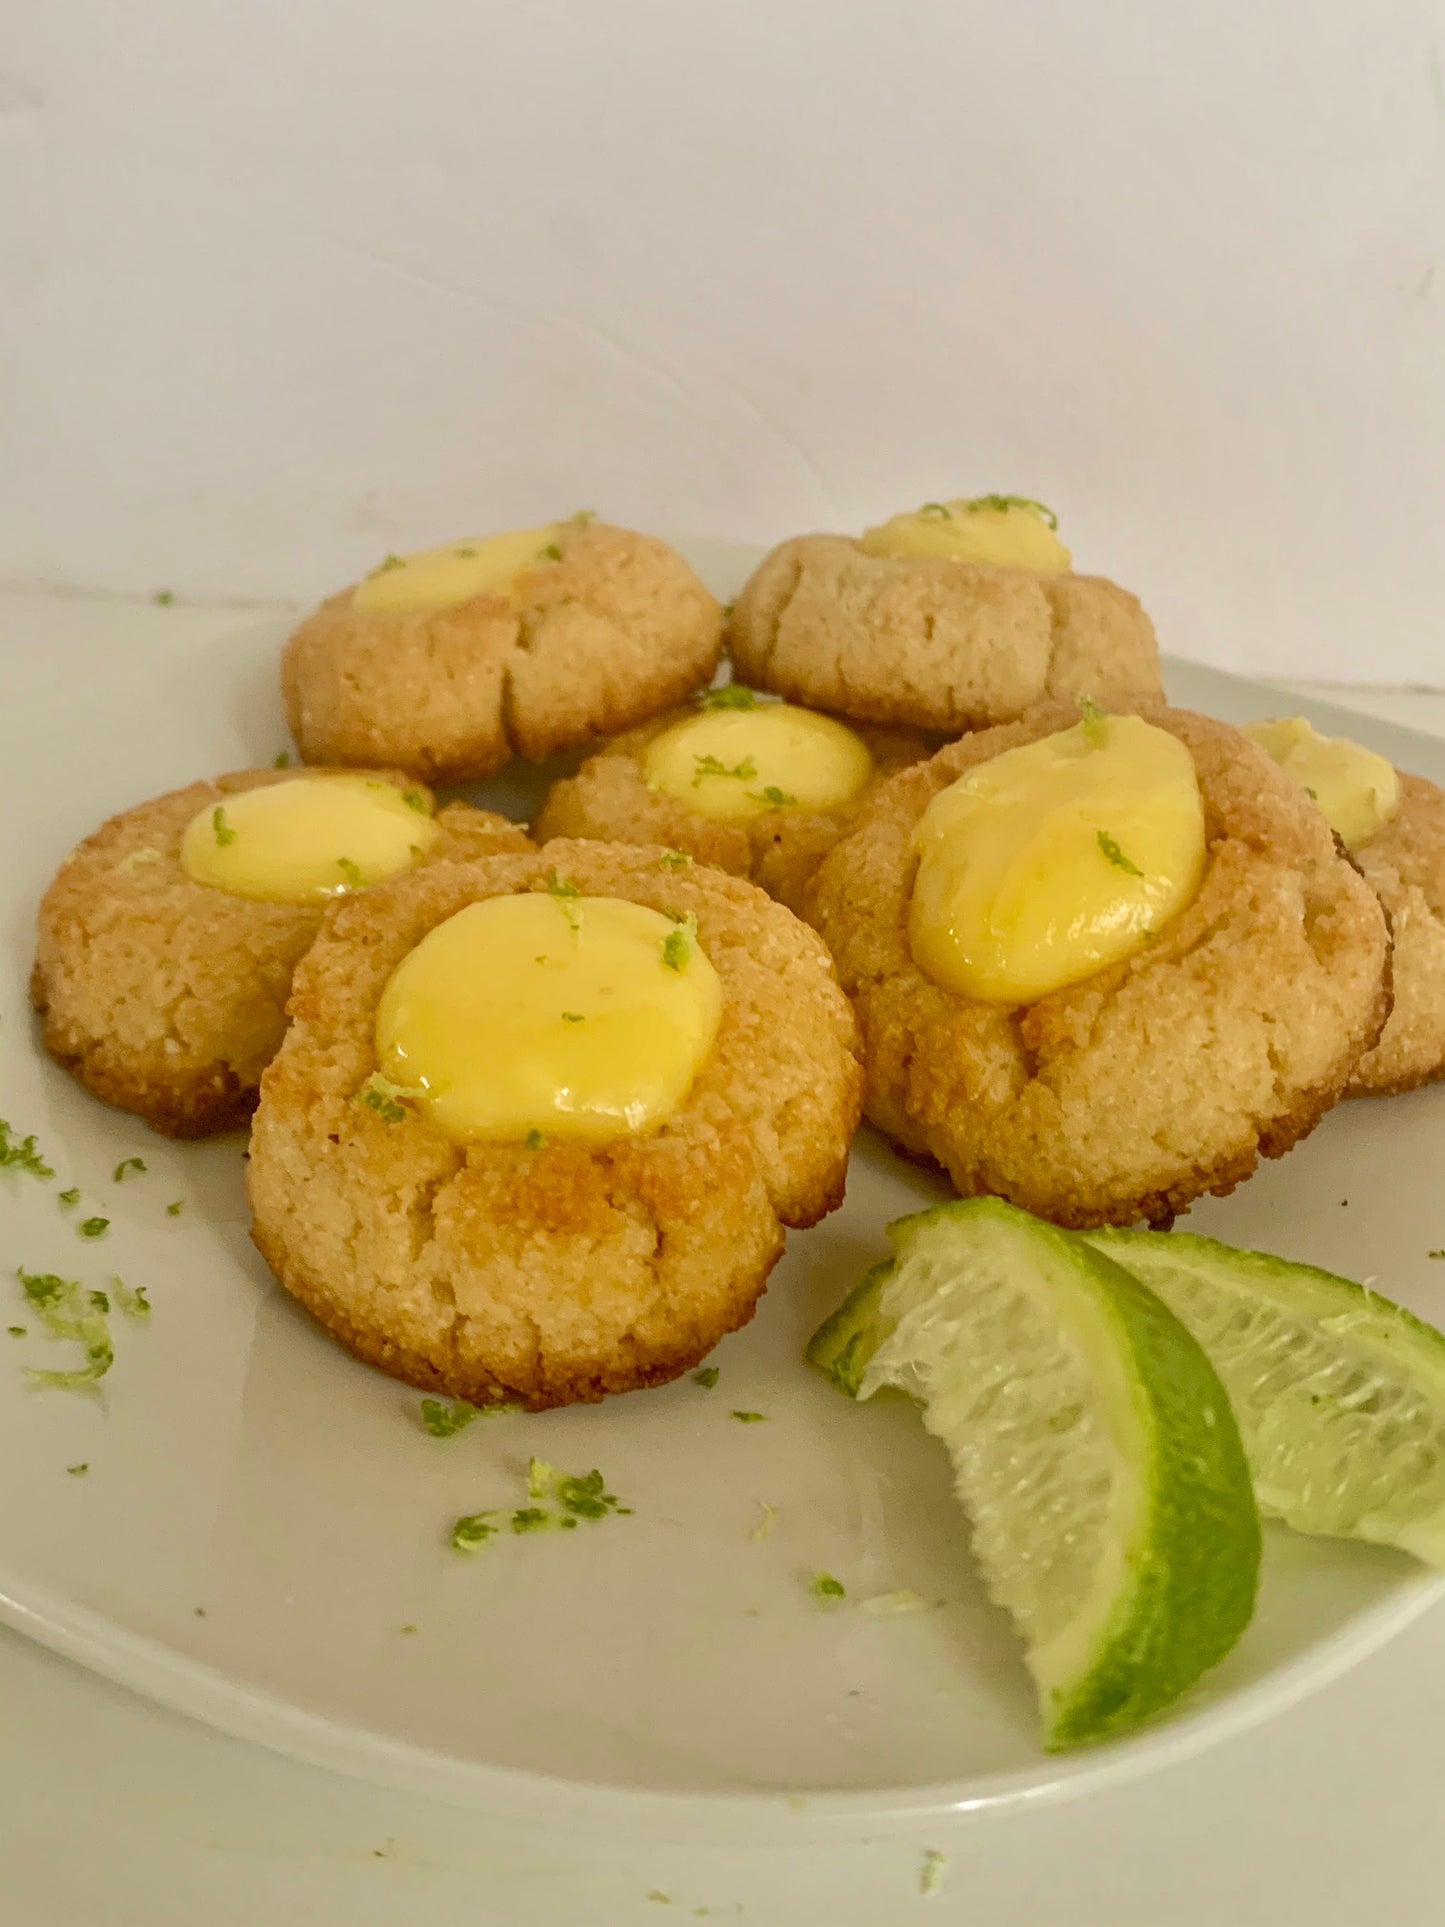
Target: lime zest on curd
x: 427, y: 580
x: 305, y: 839
x: 1012, y: 901
x: 990, y: 531
x: 1358, y: 790
x: 503, y: 1038
x: 742, y: 758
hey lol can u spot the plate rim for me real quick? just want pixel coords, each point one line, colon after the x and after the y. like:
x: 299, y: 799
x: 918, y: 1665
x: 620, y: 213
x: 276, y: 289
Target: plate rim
x: 150, y: 1667
x: 802, y: 1816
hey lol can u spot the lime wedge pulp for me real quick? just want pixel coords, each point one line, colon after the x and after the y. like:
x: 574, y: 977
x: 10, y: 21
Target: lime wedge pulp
x: 1339, y: 1394
x: 1093, y: 1450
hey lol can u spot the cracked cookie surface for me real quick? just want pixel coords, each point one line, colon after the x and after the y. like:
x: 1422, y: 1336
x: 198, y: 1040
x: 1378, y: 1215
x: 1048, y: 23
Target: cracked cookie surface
x: 928, y: 643
x: 613, y: 630
x: 165, y: 996
x: 563, y: 1272
x: 1404, y: 864
x: 1160, y: 1078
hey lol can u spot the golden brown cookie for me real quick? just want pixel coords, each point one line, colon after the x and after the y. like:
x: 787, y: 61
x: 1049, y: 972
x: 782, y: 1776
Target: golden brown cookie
x: 554, y: 1274
x: 1160, y: 1078
x: 603, y: 629
x: 1405, y: 866
x: 167, y: 997
x: 930, y: 643
x: 609, y: 798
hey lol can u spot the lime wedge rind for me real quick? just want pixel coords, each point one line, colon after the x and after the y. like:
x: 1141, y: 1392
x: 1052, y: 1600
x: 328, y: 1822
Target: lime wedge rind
x: 1093, y: 1450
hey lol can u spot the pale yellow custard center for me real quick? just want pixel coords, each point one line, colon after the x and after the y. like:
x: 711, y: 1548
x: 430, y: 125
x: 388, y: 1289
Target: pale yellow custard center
x: 744, y: 761
x: 1358, y: 791
x: 1050, y: 861
x: 996, y: 532
x: 537, y: 1017
x: 437, y: 578
x: 307, y: 839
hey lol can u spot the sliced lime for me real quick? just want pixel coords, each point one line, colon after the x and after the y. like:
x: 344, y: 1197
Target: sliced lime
x: 1339, y: 1394
x: 1093, y: 1450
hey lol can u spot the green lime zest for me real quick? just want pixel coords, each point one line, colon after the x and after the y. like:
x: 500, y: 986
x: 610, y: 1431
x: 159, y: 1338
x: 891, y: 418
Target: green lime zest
x: 473, y: 1530
x: 728, y: 695
x: 445, y: 1417
x: 679, y: 943
x: 1093, y: 721
x: 564, y: 892
x: 389, y: 1101
x: 22, y: 1154
x: 1116, y: 856
x: 536, y: 1518
x: 705, y: 766
x: 134, y: 1304
x: 1004, y: 503
x: 584, y: 1496
x: 69, y: 1312
x: 931, y: 1871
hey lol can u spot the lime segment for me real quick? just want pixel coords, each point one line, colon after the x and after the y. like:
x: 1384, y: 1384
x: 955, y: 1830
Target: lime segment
x: 1339, y: 1393
x: 1093, y: 1450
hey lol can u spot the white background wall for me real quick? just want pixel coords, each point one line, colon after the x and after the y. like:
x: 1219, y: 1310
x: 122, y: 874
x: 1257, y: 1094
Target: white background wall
x: 287, y: 283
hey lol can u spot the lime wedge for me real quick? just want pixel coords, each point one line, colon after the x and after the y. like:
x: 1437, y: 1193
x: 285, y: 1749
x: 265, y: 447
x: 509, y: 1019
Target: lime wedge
x: 1093, y: 1450
x: 1339, y: 1394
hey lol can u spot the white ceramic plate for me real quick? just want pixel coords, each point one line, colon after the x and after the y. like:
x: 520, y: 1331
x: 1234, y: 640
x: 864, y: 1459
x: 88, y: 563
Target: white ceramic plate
x: 261, y: 1515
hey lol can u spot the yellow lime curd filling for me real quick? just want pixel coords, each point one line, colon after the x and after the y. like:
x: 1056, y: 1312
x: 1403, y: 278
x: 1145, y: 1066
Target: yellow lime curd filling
x: 550, y: 1016
x: 994, y: 531
x: 741, y: 757
x: 307, y: 839
x: 429, y: 579
x: 1358, y: 791
x: 1050, y: 861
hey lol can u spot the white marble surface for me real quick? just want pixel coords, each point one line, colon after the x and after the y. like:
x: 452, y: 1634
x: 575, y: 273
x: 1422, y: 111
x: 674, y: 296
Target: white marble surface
x: 116, y: 1814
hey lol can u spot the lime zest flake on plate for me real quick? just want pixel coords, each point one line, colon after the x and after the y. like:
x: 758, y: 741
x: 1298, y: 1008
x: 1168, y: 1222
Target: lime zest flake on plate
x: 445, y: 1417
x: 69, y: 1312
x: 22, y: 1154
